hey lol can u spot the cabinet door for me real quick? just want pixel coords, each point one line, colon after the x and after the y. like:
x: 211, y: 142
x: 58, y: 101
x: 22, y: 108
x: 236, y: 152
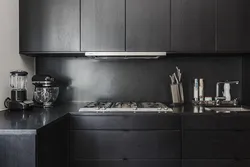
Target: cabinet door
x: 193, y: 26
x: 17, y: 150
x: 215, y: 163
x: 216, y: 122
x: 208, y: 145
x: 108, y: 144
x: 49, y: 25
x: 125, y: 122
x: 148, y: 25
x: 242, y: 144
x: 103, y: 25
x: 233, y: 26
x: 127, y: 163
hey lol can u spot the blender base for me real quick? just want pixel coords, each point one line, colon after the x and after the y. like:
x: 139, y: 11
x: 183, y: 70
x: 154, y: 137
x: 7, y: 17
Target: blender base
x: 17, y: 105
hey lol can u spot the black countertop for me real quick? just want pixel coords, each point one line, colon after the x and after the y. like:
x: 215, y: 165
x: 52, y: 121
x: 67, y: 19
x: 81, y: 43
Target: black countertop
x: 28, y: 122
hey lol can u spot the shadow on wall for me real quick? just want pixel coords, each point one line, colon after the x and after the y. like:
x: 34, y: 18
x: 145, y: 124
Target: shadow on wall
x: 83, y: 79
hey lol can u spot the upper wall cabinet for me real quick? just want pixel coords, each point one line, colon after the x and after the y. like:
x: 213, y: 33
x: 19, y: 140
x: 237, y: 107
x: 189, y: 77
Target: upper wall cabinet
x: 181, y: 26
x: 193, y: 26
x: 148, y: 25
x: 103, y: 25
x: 233, y: 26
x: 49, y: 25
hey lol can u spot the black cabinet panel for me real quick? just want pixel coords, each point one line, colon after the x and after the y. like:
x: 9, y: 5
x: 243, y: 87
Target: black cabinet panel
x: 126, y: 122
x: 126, y: 163
x: 52, y: 144
x: 217, y: 122
x: 233, y: 25
x: 193, y: 26
x: 208, y: 145
x: 153, y: 163
x: 98, y: 144
x: 215, y: 163
x: 103, y: 25
x: 97, y: 163
x: 242, y: 144
x: 148, y: 25
x: 17, y: 150
x: 49, y: 25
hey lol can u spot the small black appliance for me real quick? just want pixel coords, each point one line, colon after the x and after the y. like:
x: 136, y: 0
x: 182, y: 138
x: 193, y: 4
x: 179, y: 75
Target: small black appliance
x: 18, y: 100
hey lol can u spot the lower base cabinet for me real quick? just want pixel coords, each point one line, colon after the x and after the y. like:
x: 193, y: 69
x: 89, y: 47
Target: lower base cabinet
x: 127, y: 163
x: 17, y: 150
x: 216, y: 163
x: 110, y: 144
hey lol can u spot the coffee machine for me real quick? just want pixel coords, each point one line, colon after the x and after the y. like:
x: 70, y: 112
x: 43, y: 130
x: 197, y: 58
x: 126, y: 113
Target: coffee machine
x: 18, y: 100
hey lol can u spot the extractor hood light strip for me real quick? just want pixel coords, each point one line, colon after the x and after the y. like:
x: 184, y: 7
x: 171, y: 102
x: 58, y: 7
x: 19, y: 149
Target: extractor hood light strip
x: 89, y: 54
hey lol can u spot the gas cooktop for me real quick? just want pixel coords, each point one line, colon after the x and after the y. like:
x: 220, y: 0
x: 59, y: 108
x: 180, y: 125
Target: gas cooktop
x: 125, y: 107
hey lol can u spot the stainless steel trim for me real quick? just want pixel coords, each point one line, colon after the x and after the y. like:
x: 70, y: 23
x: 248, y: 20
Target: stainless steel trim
x: 135, y: 110
x: 125, y: 54
x: 123, y: 57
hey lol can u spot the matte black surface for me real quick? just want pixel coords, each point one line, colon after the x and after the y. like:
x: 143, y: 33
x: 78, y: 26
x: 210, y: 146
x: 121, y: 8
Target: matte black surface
x: 216, y: 122
x: 148, y: 25
x: 17, y: 150
x: 49, y: 25
x: 214, y: 144
x: 242, y: 145
x: 53, y: 143
x: 193, y: 26
x: 138, y: 80
x: 208, y: 145
x: 233, y: 26
x: 246, y: 80
x: 106, y: 144
x: 126, y: 122
x: 102, y: 25
x: 128, y: 163
x: 215, y: 163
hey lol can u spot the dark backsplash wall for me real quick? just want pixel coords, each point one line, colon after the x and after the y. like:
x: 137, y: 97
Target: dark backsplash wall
x: 83, y: 79
x: 246, y: 80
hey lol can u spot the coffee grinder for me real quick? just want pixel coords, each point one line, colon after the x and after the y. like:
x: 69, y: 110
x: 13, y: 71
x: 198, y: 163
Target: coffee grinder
x: 18, y: 100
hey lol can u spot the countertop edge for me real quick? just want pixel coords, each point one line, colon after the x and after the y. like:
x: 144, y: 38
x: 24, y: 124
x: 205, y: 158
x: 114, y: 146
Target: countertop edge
x: 18, y: 131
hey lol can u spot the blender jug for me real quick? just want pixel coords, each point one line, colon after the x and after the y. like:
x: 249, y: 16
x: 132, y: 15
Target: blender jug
x: 18, y: 83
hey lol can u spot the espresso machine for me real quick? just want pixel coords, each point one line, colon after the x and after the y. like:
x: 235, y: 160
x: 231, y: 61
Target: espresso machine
x: 18, y: 100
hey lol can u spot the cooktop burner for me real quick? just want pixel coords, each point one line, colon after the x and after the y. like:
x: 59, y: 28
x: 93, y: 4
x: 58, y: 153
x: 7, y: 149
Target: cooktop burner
x: 125, y: 107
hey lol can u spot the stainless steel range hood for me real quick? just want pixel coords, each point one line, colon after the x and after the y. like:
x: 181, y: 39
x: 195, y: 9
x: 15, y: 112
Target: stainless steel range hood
x: 125, y: 55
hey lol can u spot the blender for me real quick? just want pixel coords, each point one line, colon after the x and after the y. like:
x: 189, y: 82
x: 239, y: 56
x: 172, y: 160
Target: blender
x: 18, y: 100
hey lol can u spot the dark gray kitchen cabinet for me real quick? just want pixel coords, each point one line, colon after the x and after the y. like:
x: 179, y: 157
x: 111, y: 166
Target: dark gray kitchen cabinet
x: 128, y: 163
x: 215, y: 163
x: 125, y: 140
x: 126, y: 122
x: 52, y: 144
x: 108, y: 144
x: 45, y: 147
x: 102, y: 25
x: 148, y: 25
x: 233, y: 26
x: 49, y: 25
x: 17, y: 150
x: 216, y: 122
x: 193, y: 26
x: 208, y: 145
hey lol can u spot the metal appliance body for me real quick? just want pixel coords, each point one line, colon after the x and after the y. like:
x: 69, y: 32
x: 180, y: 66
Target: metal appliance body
x: 135, y: 107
